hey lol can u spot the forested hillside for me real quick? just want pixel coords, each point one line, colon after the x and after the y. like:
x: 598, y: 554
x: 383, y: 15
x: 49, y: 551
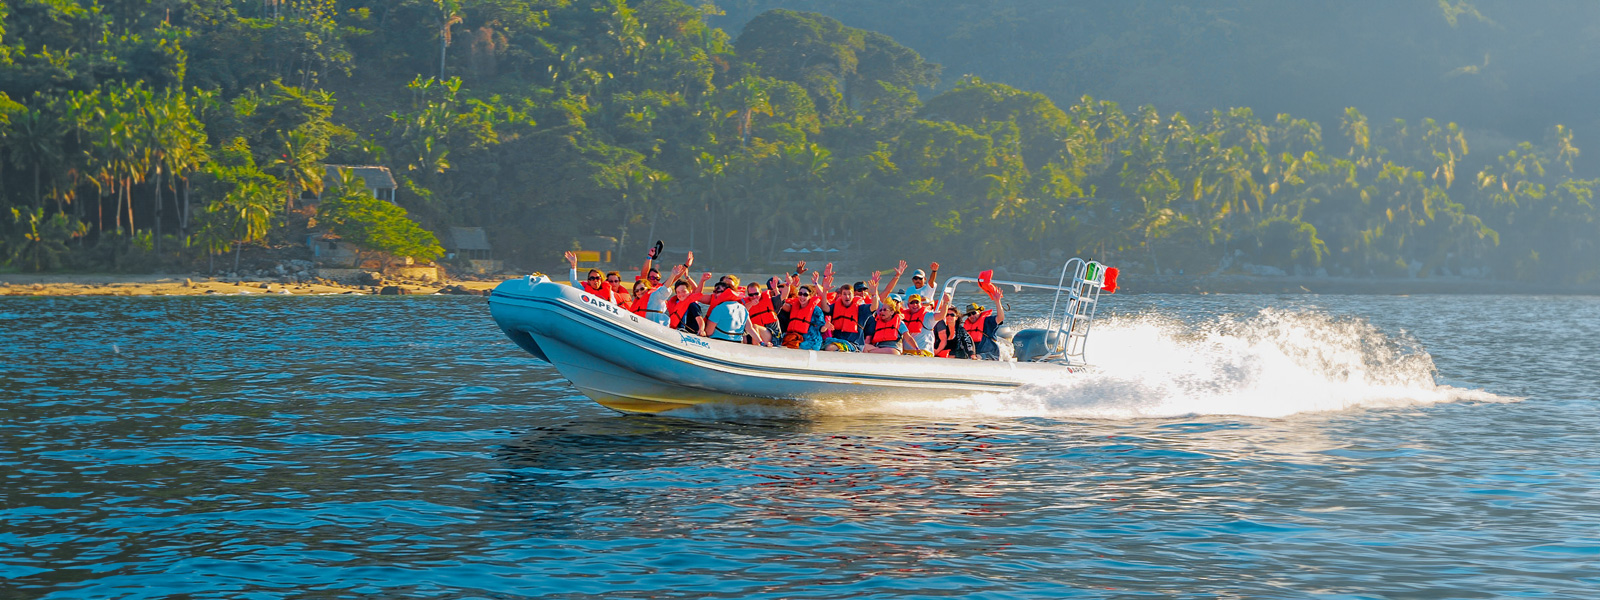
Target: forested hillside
x: 156, y: 133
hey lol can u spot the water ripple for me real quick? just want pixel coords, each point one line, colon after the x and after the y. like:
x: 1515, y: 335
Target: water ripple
x: 222, y: 447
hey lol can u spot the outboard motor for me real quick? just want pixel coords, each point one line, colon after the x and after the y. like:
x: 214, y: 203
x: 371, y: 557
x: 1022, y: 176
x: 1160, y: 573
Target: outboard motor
x: 1031, y: 345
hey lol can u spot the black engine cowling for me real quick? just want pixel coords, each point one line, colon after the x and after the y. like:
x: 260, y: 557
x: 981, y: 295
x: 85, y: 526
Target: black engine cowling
x: 1038, y: 344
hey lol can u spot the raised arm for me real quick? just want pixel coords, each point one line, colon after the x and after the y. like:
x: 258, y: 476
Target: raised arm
x: 699, y: 288
x: 877, y: 299
x: 572, y: 267
x: 899, y: 270
x: 827, y: 277
x: 933, y: 276
x: 999, y: 307
x: 649, y: 260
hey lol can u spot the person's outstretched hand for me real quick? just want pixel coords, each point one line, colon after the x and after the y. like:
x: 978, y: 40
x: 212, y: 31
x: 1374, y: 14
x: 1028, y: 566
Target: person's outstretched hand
x: 572, y: 258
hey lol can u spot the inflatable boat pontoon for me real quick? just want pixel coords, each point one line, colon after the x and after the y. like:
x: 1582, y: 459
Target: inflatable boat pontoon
x: 631, y: 364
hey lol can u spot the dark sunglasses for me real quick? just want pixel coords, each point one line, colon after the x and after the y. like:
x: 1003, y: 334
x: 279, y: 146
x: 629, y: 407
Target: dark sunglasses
x: 614, y: 280
x: 803, y: 294
x: 594, y: 278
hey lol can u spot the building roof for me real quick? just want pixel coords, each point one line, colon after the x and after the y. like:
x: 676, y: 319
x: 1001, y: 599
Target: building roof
x: 468, y: 238
x: 377, y: 177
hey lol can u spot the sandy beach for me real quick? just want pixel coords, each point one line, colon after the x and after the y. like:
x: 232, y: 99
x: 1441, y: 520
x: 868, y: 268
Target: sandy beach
x: 20, y: 284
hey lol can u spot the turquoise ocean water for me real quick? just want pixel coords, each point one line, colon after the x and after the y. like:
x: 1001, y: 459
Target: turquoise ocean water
x: 1244, y: 446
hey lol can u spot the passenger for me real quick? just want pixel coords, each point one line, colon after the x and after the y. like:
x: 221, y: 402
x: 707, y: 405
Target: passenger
x: 656, y: 305
x: 870, y: 297
x: 614, y: 281
x: 594, y: 284
x: 647, y: 269
x: 807, y: 322
x: 726, y: 290
x: 726, y: 320
x: 762, y: 314
x: 845, y: 315
x: 686, y: 313
x: 640, y: 305
x: 982, y: 324
x: 919, y: 319
x: 950, y: 336
x: 924, y: 288
x: 889, y: 331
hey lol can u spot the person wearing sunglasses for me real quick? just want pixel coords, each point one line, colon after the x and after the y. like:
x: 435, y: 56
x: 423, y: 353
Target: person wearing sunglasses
x: 763, y: 316
x: 594, y: 284
x: 614, y: 281
x: 640, y: 304
x: 950, y: 337
x: 889, y: 332
x: 647, y: 271
x: 807, y: 323
x: 728, y: 319
x: 982, y: 324
x: 656, y: 300
x: 919, y: 318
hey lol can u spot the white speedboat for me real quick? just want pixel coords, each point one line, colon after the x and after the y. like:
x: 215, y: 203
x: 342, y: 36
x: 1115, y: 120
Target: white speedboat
x: 632, y: 364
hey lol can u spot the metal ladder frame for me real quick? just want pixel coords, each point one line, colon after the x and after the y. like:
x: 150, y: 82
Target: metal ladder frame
x: 1074, y: 318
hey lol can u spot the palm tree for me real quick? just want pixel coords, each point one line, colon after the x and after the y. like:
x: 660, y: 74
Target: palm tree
x: 449, y: 16
x: 750, y: 97
x: 297, y: 166
x: 35, y: 141
x: 246, y: 214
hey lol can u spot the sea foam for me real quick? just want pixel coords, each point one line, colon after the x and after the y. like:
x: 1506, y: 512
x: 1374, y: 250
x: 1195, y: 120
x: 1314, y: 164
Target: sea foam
x: 1271, y: 364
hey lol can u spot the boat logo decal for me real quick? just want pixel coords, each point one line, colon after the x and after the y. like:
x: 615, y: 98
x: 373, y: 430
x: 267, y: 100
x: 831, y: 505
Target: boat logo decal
x: 595, y: 302
x: 692, y: 339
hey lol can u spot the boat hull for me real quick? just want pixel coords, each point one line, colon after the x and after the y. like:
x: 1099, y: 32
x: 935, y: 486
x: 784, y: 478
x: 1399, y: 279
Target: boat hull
x: 631, y: 364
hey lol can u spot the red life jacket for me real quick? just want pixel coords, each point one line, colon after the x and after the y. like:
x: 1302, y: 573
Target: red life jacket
x: 601, y: 291
x: 887, y: 331
x: 844, y: 315
x: 800, y: 314
x: 641, y: 305
x: 914, y: 319
x: 728, y: 295
x: 616, y: 288
x: 761, y: 312
x: 974, y: 325
x: 676, y: 309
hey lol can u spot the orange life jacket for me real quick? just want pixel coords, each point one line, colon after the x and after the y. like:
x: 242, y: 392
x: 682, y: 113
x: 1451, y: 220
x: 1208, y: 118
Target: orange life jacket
x: 761, y: 312
x: 676, y: 309
x: 800, y: 314
x: 974, y: 325
x: 914, y: 319
x: 728, y: 295
x: 641, y: 305
x: 602, y: 291
x: 887, y: 331
x: 844, y: 315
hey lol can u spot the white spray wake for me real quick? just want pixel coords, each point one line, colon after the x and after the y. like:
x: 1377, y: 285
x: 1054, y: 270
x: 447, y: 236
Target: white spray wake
x: 1273, y: 364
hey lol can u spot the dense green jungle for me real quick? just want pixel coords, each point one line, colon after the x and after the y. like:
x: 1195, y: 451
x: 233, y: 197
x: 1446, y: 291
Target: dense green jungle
x: 1404, y: 139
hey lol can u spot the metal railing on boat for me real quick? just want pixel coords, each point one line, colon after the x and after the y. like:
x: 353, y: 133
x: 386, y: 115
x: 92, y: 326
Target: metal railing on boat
x: 1072, y: 318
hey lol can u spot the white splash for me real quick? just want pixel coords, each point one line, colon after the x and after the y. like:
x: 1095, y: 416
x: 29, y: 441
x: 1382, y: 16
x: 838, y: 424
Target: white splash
x: 1273, y: 364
